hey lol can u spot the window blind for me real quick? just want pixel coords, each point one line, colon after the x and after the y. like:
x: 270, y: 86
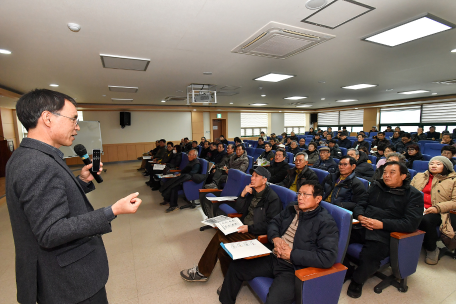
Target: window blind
x: 328, y: 119
x: 294, y: 119
x: 398, y: 115
x: 352, y: 117
x: 439, y: 112
x: 250, y: 120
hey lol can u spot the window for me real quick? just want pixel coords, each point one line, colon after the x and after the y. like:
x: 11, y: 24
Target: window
x: 294, y: 122
x: 400, y: 115
x: 80, y: 116
x: 328, y: 118
x: 439, y: 113
x: 353, y: 117
x: 253, y: 123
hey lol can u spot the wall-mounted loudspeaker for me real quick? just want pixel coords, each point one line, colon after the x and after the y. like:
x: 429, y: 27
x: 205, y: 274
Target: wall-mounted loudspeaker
x: 313, y: 118
x: 125, y: 119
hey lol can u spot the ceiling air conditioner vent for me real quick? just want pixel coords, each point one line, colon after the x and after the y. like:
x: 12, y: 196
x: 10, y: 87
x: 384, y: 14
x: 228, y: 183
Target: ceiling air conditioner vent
x: 280, y: 41
x: 175, y: 98
x: 453, y: 81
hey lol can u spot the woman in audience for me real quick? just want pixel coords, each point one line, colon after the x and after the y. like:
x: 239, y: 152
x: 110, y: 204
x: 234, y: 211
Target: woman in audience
x: 439, y: 187
x: 312, y: 131
x: 413, y: 153
x: 360, y: 142
x: 380, y: 153
x: 388, y: 150
x: 312, y: 153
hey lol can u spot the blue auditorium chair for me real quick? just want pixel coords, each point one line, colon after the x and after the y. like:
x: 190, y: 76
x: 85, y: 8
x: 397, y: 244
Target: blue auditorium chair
x: 412, y: 173
x: 321, y: 174
x: 427, y: 157
x: 250, y: 151
x: 433, y: 149
x: 254, y: 143
x: 191, y: 189
x: 290, y: 157
x: 343, y: 150
x: 285, y: 195
x: 423, y: 142
x: 374, y: 166
x: 199, y: 148
x: 420, y: 165
x: 373, y: 159
x: 365, y: 182
x: 250, y: 163
x: 336, y: 160
x: 317, y: 285
x: 388, y: 135
x: 257, y: 153
x: 372, y: 134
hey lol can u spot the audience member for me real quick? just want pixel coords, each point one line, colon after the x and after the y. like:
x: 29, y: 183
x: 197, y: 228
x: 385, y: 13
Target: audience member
x: 223, y: 140
x: 212, y: 152
x: 150, y: 153
x: 273, y: 143
x: 438, y: 185
x: 279, y: 167
x: 203, y: 140
x: 388, y: 149
x: 449, y: 152
x: 294, y: 147
x: 299, y: 174
x: 328, y: 137
x: 238, y: 161
x: 330, y: 130
x: 294, y: 248
x: 365, y: 150
x: 432, y: 134
x: 312, y: 131
x: 170, y: 189
x: 391, y: 206
x: 395, y: 139
x: 186, y: 145
x: 360, y: 142
x: 273, y: 136
x: 205, y: 150
x: 344, y: 142
x: 363, y: 168
x: 194, y: 145
x: 238, y: 141
x: 173, y: 163
x: 288, y: 142
x: 317, y: 139
x: 268, y: 154
x: 381, y: 140
x: 393, y: 156
x: 446, y: 139
x: 161, y: 152
x: 263, y: 136
x: 398, y: 129
x: 293, y: 136
x: 165, y: 159
x: 413, y: 153
x: 312, y: 153
x: 374, y: 129
x: 302, y: 143
x: 284, y: 138
x: 326, y: 162
x: 220, y: 154
x: 260, y: 143
x: 258, y: 204
x: 388, y: 129
x: 420, y: 135
x: 334, y: 149
x: 219, y: 166
x: 343, y: 188
x: 380, y: 152
x: 402, y: 146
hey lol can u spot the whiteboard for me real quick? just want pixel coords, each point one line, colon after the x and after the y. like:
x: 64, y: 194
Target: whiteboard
x: 89, y: 136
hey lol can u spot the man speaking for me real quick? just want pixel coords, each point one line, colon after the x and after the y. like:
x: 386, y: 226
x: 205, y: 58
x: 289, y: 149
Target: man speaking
x: 60, y: 256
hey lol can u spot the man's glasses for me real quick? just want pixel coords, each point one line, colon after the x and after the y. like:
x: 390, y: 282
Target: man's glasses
x: 74, y: 119
x: 304, y: 194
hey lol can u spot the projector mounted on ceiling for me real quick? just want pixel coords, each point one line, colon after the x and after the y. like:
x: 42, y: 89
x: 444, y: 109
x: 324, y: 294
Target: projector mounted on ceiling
x: 201, y: 93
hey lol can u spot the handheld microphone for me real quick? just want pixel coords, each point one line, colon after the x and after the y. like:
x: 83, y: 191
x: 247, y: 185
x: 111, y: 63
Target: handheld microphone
x: 82, y: 153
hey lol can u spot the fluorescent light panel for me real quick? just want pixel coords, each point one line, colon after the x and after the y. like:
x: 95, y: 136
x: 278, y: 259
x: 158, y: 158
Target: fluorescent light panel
x: 272, y: 77
x: 123, y: 89
x: 295, y: 97
x: 346, y: 100
x: 418, y: 28
x: 6, y: 52
x: 359, y: 86
x: 124, y: 63
x: 54, y: 85
x: 258, y: 104
x: 413, y: 92
x: 122, y: 99
x: 304, y: 106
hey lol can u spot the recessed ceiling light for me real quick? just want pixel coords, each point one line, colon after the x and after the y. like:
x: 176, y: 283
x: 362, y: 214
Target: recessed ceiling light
x: 346, y: 100
x: 74, y: 27
x: 356, y: 108
x: 122, y: 99
x: 272, y: 77
x: 123, y: 89
x: 413, y: 92
x: 411, y: 30
x: 304, y: 106
x: 194, y: 109
x: 263, y: 95
x: 280, y: 111
x: 323, y: 98
x: 258, y: 104
x: 207, y: 73
x: 124, y: 63
x: 359, y: 86
x: 104, y: 95
x: 231, y: 103
x: 295, y: 97
x: 453, y: 51
x: 6, y: 52
x: 53, y: 85
x: 434, y: 93
x: 163, y: 101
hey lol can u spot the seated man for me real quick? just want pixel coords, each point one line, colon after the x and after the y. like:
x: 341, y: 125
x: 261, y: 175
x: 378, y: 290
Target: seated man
x: 238, y: 141
x: 420, y: 135
x: 392, y: 205
x: 449, y: 152
x: 203, y: 139
x: 170, y: 189
x: 381, y: 140
x: 223, y: 140
x: 406, y: 141
x: 279, y: 167
x: 212, y: 153
x: 273, y: 143
x: 326, y: 162
x: 343, y: 188
x: 186, y: 145
x: 318, y: 140
x: 161, y: 151
x: 298, y: 175
x: 446, y: 139
x: 260, y: 143
x: 294, y: 147
x: 205, y: 150
x: 302, y: 143
x: 344, y: 142
x: 258, y: 204
x: 268, y: 154
x: 173, y: 163
x: 263, y: 135
x: 238, y: 161
x: 220, y: 154
x: 328, y: 137
x: 432, y: 134
x: 150, y: 153
x: 166, y: 159
x: 396, y: 138
x: 195, y: 145
x: 392, y: 156
x: 304, y: 235
x: 334, y: 150
x: 363, y: 168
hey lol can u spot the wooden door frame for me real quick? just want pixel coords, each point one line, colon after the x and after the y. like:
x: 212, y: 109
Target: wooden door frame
x: 224, y: 128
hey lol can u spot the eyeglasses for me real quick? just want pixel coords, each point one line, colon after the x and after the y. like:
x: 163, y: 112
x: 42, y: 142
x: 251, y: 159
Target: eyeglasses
x: 74, y: 119
x: 411, y: 149
x: 303, y: 194
x: 344, y: 164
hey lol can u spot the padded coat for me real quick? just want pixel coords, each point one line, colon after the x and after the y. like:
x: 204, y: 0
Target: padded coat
x: 347, y: 193
x: 241, y: 163
x: 278, y: 171
x: 306, y: 174
x: 363, y: 168
x: 327, y: 165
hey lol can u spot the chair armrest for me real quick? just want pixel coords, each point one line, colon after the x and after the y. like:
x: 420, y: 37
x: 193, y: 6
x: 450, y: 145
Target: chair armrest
x: 233, y: 215
x: 453, y: 211
x: 263, y: 239
x: 403, y: 235
x: 175, y: 170
x: 209, y: 190
x: 257, y: 256
x: 310, y: 273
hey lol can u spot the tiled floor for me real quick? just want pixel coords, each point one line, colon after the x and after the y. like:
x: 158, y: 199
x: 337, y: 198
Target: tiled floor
x: 147, y: 250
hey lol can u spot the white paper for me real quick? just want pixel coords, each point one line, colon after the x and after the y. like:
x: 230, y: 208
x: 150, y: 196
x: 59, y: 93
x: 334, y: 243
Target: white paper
x: 147, y: 157
x: 164, y: 175
x: 159, y: 167
x: 213, y: 220
x: 229, y: 226
x: 222, y: 198
x: 245, y: 249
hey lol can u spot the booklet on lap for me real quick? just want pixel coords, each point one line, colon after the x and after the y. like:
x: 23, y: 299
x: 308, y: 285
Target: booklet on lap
x: 245, y: 249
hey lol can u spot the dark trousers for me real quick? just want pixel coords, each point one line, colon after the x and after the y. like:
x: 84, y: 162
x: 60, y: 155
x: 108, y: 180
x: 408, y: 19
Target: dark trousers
x: 215, y: 252
x: 220, y: 176
x: 174, y: 195
x: 429, y: 224
x: 209, y: 208
x: 283, y: 273
x: 99, y: 298
x: 372, y: 254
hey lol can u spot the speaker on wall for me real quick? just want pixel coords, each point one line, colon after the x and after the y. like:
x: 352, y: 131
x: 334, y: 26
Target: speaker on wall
x: 313, y: 117
x: 125, y: 119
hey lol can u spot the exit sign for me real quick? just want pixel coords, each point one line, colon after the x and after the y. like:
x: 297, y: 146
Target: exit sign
x: 219, y: 115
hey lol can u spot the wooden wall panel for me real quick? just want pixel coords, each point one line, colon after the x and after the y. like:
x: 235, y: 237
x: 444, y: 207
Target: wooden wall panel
x: 370, y: 118
x: 131, y: 152
x: 112, y: 150
x: 122, y: 152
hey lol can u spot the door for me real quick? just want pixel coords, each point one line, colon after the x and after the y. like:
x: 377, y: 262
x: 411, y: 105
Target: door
x: 216, y: 128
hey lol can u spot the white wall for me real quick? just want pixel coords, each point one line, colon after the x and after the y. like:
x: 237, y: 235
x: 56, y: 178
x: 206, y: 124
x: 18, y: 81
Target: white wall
x: 147, y: 126
x: 277, y: 123
x: 234, y: 125
x: 207, y: 124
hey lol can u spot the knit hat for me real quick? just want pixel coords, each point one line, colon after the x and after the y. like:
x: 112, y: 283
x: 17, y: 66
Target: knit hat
x: 324, y: 149
x: 445, y: 161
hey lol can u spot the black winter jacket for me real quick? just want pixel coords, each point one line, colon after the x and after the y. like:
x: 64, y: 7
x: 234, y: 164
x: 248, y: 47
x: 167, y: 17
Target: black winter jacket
x: 411, y: 158
x: 385, y: 142
x: 204, y: 152
x: 313, y: 156
x: 218, y: 157
x: 268, y: 155
x: 347, y: 193
x: 278, y: 171
x: 417, y: 138
x: 306, y: 174
x: 363, y: 143
x: 294, y: 151
x: 316, y: 239
x: 335, y: 152
x: 363, y: 168
x: 268, y: 207
x: 346, y: 143
x: 327, y: 165
x: 175, y: 161
x: 400, y: 209
x: 401, y: 147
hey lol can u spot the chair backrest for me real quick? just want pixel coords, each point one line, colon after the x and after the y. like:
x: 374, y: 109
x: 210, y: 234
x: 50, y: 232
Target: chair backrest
x: 235, y: 183
x: 199, y: 150
x: 374, y: 166
x: 432, y: 149
x: 285, y: 195
x: 336, y: 160
x: 372, y: 134
x: 321, y: 174
x: 365, y: 182
x: 250, y: 151
x: 257, y: 153
x: 343, y: 219
x: 290, y: 157
x: 388, y: 134
x: 372, y: 158
x: 184, y: 161
x: 412, y: 173
x: 343, y: 150
x: 204, y: 163
x: 254, y: 143
x: 250, y: 163
x: 420, y: 165
x: 427, y: 157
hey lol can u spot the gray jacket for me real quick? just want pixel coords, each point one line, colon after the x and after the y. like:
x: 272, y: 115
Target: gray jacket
x: 241, y: 163
x: 60, y: 256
